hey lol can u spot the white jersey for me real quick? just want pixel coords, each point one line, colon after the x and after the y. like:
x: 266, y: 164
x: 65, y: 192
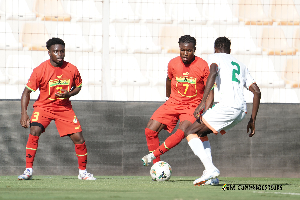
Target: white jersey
x: 232, y: 77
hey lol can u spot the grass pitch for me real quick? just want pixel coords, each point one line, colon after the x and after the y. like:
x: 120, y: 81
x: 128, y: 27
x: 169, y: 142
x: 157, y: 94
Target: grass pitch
x: 141, y: 187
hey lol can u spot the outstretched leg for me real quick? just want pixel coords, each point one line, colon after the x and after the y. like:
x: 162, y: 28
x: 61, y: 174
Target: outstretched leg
x: 207, y: 149
x: 151, y: 131
x: 197, y: 147
x: 173, y: 140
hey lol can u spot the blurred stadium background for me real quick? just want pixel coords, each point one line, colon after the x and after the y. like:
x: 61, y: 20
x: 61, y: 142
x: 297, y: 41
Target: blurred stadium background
x: 122, y: 48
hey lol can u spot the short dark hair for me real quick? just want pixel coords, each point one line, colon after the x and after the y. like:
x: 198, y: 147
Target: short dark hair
x: 223, y: 43
x: 187, y: 39
x: 54, y: 41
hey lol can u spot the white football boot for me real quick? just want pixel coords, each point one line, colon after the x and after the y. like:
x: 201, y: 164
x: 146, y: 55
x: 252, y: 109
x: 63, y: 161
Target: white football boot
x: 147, y: 159
x: 207, y: 176
x: 86, y: 176
x: 27, y: 175
x: 213, y: 181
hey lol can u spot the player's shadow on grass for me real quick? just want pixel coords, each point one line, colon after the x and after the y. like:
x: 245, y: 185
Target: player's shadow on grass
x: 184, y: 180
x: 71, y: 178
x: 179, y: 180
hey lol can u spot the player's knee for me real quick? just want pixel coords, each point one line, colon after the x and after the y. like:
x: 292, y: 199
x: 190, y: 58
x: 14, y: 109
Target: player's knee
x: 150, y: 133
x: 149, y: 123
x: 77, y: 138
x: 180, y: 134
x: 187, y: 132
x: 155, y: 125
x: 35, y: 131
x: 81, y: 140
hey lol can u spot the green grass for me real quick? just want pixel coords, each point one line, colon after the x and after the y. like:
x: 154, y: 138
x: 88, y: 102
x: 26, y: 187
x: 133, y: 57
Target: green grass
x: 140, y: 187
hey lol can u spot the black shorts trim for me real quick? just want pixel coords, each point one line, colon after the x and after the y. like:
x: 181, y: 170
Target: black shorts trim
x: 37, y: 124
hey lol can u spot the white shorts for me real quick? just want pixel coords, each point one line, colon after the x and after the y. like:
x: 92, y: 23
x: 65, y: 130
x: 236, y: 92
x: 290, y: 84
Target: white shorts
x: 222, y: 118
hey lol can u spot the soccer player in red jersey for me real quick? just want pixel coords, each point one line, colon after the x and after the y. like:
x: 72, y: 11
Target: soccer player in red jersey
x: 185, y: 84
x: 57, y: 81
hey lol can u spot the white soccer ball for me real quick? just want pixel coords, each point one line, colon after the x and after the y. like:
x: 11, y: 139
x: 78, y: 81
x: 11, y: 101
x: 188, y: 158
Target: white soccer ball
x: 161, y: 171
x: 213, y: 181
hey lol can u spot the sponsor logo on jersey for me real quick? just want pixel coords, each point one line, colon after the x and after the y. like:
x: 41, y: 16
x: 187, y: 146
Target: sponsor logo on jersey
x: 186, y: 80
x: 53, y: 83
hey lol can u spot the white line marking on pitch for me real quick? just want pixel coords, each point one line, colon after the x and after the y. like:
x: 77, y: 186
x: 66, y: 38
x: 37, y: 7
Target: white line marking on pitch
x: 278, y: 193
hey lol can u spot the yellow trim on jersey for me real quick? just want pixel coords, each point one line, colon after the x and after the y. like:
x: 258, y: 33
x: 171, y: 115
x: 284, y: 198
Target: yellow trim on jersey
x: 77, y: 127
x: 30, y: 88
x: 79, y: 85
x: 213, y: 87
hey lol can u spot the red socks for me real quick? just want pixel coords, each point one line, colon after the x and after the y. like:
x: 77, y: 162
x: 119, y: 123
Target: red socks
x: 169, y: 143
x: 152, y: 141
x: 31, y: 147
x: 81, y: 153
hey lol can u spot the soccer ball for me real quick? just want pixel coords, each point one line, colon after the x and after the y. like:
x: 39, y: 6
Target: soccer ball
x: 213, y: 181
x: 161, y: 171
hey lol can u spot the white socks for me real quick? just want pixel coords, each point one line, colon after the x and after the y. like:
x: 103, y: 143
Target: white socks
x: 207, y: 149
x: 82, y: 171
x: 198, y: 149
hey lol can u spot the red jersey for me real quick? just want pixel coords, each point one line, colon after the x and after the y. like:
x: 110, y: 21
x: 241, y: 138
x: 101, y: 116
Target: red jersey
x: 187, y: 80
x: 50, y: 80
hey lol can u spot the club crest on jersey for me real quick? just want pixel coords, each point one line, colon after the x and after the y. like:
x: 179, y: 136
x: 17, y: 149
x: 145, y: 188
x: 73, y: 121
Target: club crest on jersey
x: 75, y: 119
x: 59, y: 76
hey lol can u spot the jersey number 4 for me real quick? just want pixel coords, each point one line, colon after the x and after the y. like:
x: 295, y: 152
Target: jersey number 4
x: 235, y: 72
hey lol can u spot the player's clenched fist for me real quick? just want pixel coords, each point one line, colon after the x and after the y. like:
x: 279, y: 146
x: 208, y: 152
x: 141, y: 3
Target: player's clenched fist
x: 198, y: 110
x: 63, y: 94
x: 251, y: 126
x: 25, y: 122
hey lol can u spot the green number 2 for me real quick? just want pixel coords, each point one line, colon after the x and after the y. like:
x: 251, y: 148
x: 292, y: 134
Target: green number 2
x: 234, y: 72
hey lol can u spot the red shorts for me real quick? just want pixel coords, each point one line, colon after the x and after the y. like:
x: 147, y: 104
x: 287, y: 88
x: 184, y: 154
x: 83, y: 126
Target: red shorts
x: 65, y: 120
x: 169, y: 113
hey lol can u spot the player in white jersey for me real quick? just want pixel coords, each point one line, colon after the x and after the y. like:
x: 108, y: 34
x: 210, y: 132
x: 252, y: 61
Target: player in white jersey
x: 230, y: 76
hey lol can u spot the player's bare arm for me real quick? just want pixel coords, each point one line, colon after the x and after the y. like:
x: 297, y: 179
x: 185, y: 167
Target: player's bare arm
x: 209, y: 84
x: 210, y: 100
x: 256, y: 101
x: 168, y: 87
x: 66, y: 94
x: 24, y: 121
